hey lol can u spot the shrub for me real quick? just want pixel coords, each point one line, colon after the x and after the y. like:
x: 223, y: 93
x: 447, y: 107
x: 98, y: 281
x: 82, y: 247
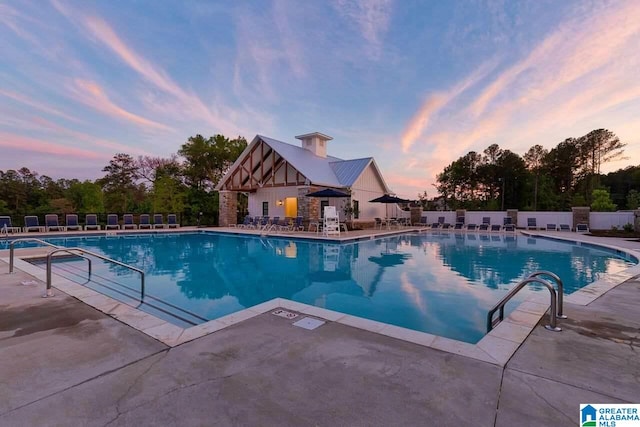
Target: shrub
x: 628, y: 227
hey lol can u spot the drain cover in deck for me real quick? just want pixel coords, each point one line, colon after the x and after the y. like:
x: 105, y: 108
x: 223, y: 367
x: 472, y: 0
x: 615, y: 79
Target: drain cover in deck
x: 285, y: 314
x: 309, y: 323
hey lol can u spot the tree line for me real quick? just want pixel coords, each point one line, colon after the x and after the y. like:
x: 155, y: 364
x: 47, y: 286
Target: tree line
x: 549, y: 180
x: 182, y: 183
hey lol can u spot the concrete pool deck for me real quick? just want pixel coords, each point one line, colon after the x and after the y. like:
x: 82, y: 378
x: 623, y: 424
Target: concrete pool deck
x: 63, y: 362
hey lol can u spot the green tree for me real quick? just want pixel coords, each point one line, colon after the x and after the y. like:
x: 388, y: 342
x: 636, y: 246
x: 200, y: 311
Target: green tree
x: 596, y: 148
x: 119, y: 184
x: 602, y: 201
x: 207, y: 160
x: 633, y: 199
x: 168, y: 195
x: 86, y: 197
x: 534, y: 160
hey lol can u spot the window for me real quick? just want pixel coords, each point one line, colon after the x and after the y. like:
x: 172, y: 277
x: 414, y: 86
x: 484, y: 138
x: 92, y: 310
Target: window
x: 356, y: 209
x: 323, y: 203
x: 265, y: 208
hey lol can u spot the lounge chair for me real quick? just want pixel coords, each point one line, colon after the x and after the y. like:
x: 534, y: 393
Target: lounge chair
x: 458, y: 226
x: 445, y: 226
x: 6, y: 226
x: 582, y: 228
x: 51, y: 223
x: 565, y: 227
x: 112, y: 222
x: 91, y: 222
x: 144, y: 222
x: 172, y: 221
x: 486, y: 220
x: 71, y: 222
x: 158, y: 221
x: 509, y: 228
x: 497, y: 227
x: 31, y: 223
x: 435, y: 225
x: 471, y: 227
x: 531, y: 224
x: 127, y: 222
x: 552, y: 227
x: 245, y: 223
x: 423, y: 221
x: 298, y: 225
x: 484, y: 227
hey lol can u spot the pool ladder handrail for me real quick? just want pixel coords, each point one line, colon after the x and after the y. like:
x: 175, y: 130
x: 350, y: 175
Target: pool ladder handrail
x: 73, y: 251
x: 533, y: 278
x: 42, y: 242
x: 49, y: 292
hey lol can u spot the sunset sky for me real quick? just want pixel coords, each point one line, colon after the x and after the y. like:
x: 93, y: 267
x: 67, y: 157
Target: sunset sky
x: 414, y: 84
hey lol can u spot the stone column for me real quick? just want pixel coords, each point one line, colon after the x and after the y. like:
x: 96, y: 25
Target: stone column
x: 308, y: 207
x: 581, y: 215
x: 228, y: 207
x: 416, y: 214
x: 513, y: 214
x: 461, y: 213
x: 636, y: 226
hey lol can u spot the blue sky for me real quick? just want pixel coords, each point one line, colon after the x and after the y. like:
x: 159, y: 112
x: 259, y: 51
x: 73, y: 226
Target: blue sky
x: 414, y: 84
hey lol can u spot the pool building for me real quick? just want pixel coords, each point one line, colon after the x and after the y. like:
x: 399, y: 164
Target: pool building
x: 277, y: 176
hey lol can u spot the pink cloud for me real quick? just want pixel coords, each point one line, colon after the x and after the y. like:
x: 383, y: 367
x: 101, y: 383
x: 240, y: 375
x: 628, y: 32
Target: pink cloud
x: 434, y: 103
x: 20, y: 142
x: 37, y: 105
x: 92, y: 94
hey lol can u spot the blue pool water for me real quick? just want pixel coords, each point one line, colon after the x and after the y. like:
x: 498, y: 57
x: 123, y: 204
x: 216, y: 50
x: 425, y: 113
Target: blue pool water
x: 442, y: 284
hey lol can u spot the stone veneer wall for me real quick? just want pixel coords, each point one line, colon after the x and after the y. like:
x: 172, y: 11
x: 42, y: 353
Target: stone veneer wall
x: 228, y: 206
x: 513, y: 214
x: 581, y: 215
x: 461, y: 213
x: 308, y: 207
x: 416, y: 214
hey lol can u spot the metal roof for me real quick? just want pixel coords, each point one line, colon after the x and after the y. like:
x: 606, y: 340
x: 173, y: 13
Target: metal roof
x: 317, y: 169
x: 347, y: 171
x: 329, y: 172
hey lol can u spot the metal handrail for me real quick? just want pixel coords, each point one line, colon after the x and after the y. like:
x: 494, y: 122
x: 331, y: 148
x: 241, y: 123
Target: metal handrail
x: 48, y: 291
x: 558, y: 281
x: 30, y: 239
x: 500, y: 305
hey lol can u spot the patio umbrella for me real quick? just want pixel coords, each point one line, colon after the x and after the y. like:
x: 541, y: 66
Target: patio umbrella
x: 388, y: 198
x: 328, y: 192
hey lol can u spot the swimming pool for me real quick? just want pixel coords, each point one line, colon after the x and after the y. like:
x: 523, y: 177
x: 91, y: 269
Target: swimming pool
x: 440, y: 283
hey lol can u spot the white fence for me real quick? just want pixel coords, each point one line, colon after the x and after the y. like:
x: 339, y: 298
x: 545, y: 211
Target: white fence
x: 597, y: 220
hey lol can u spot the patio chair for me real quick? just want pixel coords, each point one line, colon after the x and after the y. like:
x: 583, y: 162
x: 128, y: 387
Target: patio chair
x: 497, y: 227
x: 51, y: 223
x: 582, y: 228
x: 377, y: 223
x: 298, y: 225
x: 71, y: 222
x: 144, y: 222
x: 435, y: 225
x: 6, y: 226
x: 471, y: 227
x: 172, y: 221
x: 423, y: 221
x: 127, y: 222
x: 158, y: 221
x: 91, y: 222
x: 565, y: 227
x: 112, y: 222
x: 245, y: 223
x: 531, y: 224
x: 552, y: 227
x: 509, y: 228
x: 445, y: 225
x: 486, y: 220
x: 31, y: 223
x: 440, y: 220
x: 484, y: 226
x: 458, y: 226
x: 507, y: 220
